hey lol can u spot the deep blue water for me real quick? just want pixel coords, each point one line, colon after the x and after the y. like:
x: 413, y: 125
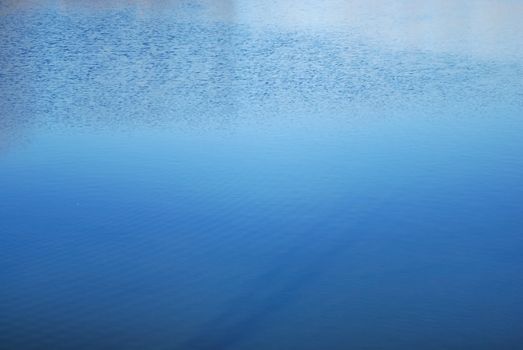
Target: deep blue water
x: 249, y: 175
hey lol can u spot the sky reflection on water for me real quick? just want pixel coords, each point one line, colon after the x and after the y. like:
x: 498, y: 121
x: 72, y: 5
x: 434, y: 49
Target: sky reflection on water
x: 234, y: 174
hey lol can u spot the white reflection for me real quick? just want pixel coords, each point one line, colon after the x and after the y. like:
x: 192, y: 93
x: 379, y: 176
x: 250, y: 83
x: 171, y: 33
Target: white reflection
x: 485, y: 27
x: 482, y: 27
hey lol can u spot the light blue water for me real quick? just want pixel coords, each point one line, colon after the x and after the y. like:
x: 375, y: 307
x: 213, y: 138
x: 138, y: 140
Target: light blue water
x: 248, y: 175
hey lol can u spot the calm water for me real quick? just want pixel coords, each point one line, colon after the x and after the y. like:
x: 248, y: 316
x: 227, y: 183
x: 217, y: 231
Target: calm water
x: 250, y: 175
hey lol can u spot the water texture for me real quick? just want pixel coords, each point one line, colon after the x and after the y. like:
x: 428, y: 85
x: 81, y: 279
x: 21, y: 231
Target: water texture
x: 256, y: 175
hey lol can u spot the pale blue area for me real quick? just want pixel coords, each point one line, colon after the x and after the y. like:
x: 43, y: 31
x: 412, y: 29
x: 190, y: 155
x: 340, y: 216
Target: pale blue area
x: 185, y: 178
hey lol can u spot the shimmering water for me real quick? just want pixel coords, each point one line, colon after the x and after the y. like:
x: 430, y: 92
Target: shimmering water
x: 256, y: 175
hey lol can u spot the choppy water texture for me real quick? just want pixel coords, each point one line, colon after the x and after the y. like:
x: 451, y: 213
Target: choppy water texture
x: 257, y: 175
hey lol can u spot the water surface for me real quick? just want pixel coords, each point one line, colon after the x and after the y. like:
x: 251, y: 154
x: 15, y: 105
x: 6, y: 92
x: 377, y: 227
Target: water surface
x: 250, y: 175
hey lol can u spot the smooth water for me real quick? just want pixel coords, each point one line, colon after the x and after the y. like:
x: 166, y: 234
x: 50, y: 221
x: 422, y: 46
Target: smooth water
x: 258, y: 175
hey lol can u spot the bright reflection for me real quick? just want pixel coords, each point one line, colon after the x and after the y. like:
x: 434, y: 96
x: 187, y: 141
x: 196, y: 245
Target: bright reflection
x: 484, y: 27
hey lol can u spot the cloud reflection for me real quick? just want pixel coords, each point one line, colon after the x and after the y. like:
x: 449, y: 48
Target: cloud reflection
x: 205, y: 62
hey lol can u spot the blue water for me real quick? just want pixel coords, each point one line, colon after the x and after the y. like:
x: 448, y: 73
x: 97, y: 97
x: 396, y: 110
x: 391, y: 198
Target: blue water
x: 255, y: 175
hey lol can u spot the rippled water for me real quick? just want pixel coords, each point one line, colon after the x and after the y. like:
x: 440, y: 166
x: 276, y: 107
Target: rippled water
x: 249, y: 175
